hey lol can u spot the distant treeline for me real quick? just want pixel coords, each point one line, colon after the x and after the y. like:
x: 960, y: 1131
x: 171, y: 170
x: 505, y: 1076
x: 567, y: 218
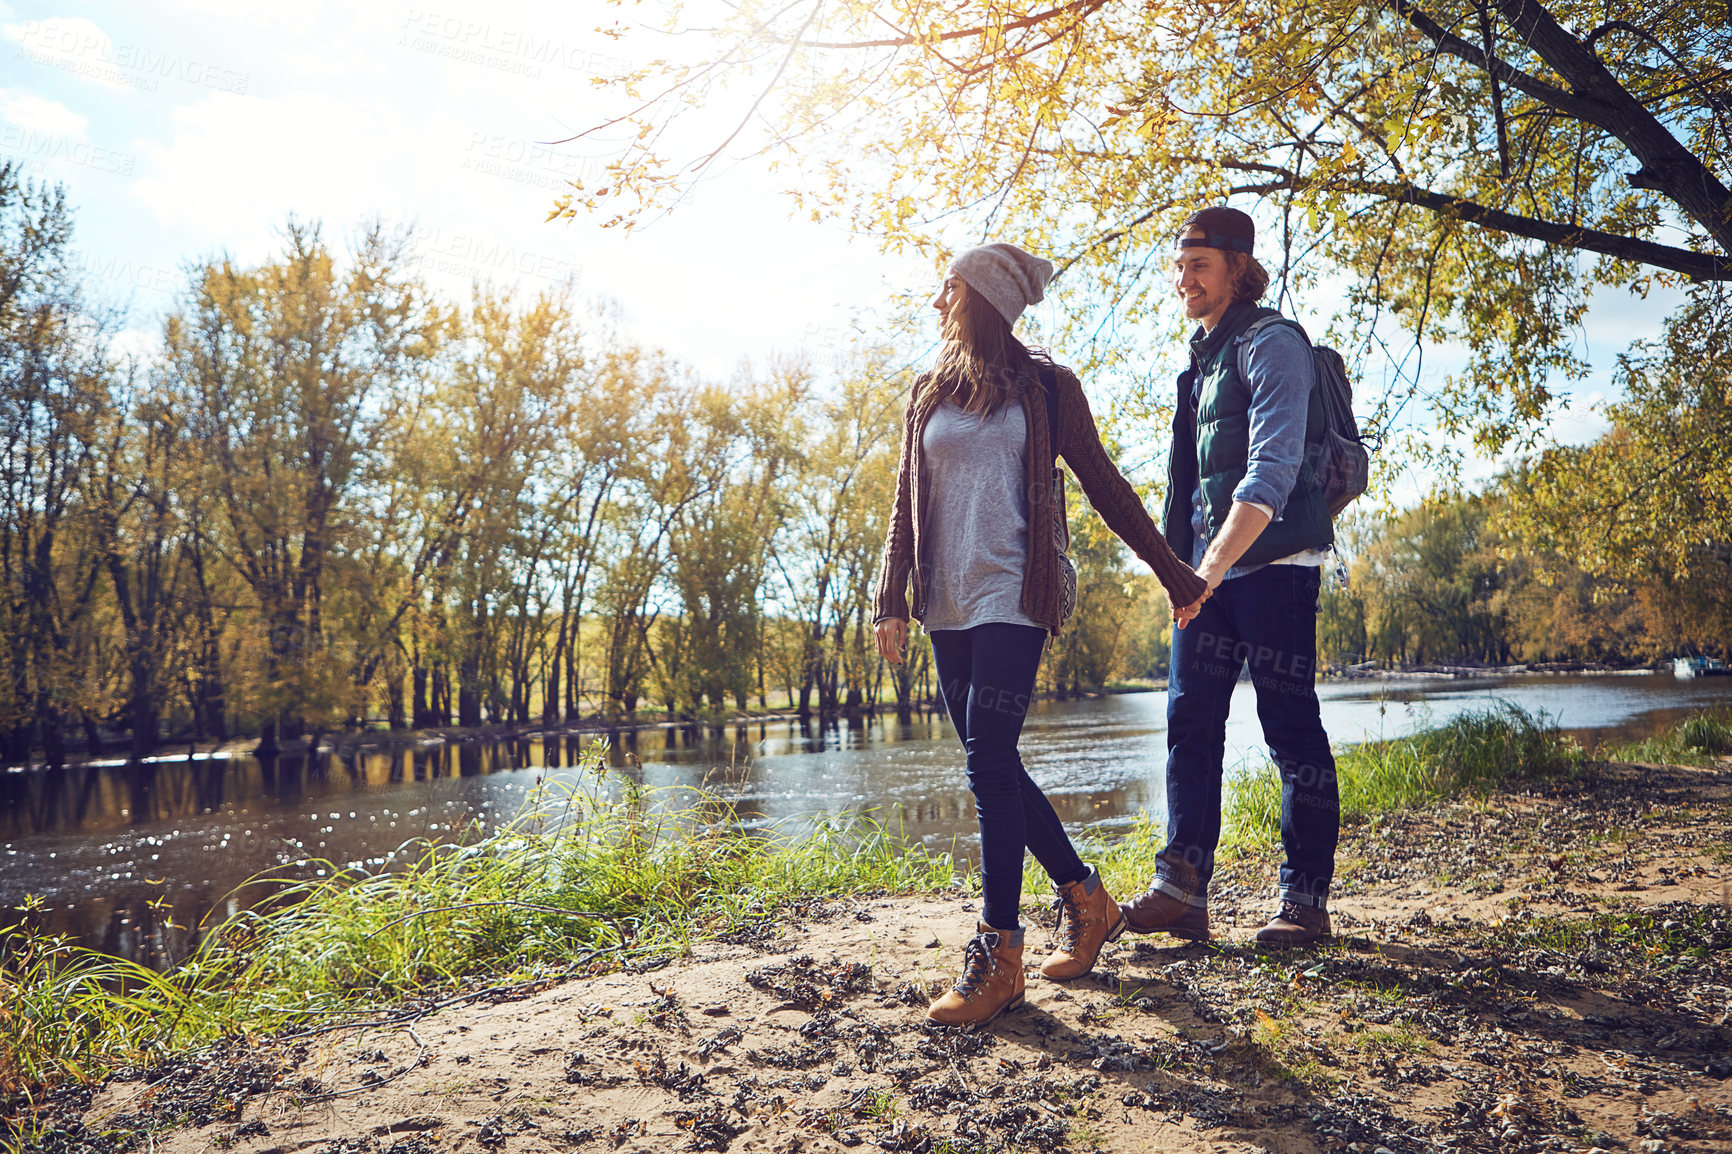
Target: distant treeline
x: 1467, y: 579
x: 328, y: 498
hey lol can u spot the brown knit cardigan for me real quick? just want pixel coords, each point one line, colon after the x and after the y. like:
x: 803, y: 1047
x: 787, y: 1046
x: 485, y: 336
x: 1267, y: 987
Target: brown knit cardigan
x: 1078, y: 442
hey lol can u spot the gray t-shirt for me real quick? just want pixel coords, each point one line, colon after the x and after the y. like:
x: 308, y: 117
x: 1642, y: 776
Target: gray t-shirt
x: 976, y: 535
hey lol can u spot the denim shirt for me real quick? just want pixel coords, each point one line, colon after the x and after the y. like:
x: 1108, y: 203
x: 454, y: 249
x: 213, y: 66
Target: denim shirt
x: 1282, y: 377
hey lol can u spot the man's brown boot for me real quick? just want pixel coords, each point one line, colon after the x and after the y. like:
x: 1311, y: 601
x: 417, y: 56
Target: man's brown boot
x: 1155, y: 912
x: 991, y: 983
x: 1295, y: 925
x: 1087, y: 920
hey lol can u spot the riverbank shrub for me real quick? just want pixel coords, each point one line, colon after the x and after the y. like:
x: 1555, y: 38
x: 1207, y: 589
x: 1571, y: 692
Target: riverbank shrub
x: 591, y: 876
x: 1697, y: 740
x: 1472, y: 753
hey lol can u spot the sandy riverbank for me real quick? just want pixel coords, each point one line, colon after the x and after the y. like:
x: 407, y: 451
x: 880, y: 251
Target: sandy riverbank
x: 1546, y: 970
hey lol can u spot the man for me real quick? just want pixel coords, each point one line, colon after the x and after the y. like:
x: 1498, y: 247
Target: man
x: 1249, y: 513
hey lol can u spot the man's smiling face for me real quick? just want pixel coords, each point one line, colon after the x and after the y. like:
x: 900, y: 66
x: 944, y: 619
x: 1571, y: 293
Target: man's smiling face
x: 1203, y: 281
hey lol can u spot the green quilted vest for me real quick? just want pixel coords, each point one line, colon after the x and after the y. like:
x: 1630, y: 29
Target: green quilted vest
x: 1213, y: 443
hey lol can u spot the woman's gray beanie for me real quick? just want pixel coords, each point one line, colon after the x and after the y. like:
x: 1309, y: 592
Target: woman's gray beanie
x: 1005, y: 275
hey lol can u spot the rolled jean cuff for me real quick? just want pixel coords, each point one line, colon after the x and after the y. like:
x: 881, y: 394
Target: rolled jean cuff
x: 1306, y: 898
x: 1166, y: 885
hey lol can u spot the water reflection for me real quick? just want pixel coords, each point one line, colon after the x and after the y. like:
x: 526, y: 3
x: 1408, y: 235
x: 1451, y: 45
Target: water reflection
x: 124, y: 857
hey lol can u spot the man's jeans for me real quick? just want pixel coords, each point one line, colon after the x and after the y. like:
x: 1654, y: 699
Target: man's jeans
x: 986, y: 675
x: 1268, y: 619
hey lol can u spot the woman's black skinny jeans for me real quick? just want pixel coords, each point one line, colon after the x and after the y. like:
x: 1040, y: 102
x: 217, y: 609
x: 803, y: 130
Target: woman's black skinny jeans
x: 986, y: 675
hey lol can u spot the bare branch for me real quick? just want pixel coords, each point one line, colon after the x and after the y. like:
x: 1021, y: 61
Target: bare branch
x: 1081, y: 7
x: 787, y: 58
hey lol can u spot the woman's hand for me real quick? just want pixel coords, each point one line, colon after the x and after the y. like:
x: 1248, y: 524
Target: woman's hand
x: 892, y: 634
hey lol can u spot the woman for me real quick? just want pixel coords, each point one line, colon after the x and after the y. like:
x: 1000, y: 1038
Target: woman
x: 974, y: 526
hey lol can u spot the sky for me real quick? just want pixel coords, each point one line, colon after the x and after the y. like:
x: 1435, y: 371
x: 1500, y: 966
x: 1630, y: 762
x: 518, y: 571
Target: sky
x: 186, y: 129
x: 182, y: 129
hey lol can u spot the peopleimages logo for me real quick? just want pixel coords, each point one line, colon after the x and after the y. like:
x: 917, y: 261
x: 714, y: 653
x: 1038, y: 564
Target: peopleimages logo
x: 524, y: 162
x: 44, y: 146
x: 520, y: 52
x: 114, y: 271
x: 464, y: 254
x: 82, y: 50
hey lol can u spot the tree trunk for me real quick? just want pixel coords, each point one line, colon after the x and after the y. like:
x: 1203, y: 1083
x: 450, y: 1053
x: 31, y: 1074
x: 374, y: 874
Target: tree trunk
x: 469, y: 691
x: 440, y: 712
x: 53, y: 729
x: 550, y: 691
x: 420, y: 709
x: 397, y: 718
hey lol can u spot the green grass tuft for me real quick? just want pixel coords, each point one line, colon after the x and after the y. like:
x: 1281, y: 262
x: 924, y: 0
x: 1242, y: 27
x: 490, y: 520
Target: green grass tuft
x: 1469, y: 754
x: 1472, y: 753
x: 585, y: 879
x: 1697, y: 740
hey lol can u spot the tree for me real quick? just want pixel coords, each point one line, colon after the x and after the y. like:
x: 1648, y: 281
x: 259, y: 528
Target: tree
x: 827, y: 555
x: 143, y: 545
x: 680, y: 460
x: 1089, y: 652
x: 721, y: 545
x: 1648, y: 506
x: 1454, y: 159
x: 513, y: 389
x: 1427, y: 582
x: 54, y: 400
x: 285, y: 374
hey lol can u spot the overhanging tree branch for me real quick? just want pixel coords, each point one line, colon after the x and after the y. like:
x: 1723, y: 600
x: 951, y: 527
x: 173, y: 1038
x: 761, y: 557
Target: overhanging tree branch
x: 1473, y: 54
x: 1698, y: 266
x: 1667, y: 166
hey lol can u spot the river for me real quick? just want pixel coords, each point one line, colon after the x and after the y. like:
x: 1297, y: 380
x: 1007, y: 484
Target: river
x: 125, y: 859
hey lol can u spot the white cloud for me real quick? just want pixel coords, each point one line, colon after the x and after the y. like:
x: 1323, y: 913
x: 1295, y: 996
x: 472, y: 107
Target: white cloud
x: 728, y: 275
x: 236, y: 166
x: 38, y: 114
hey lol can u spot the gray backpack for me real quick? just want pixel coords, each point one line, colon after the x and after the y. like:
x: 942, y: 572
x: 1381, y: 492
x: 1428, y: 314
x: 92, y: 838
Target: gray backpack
x: 1340, y: 459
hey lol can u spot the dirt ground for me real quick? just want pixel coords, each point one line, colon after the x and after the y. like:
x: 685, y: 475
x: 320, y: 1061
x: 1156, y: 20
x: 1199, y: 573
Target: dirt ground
x: 1545, y: 970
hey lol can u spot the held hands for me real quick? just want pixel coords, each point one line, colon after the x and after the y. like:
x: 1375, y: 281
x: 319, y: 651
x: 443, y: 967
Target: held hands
x: 892, y: 635
x: 1244, y: 524
x: 1183, y: 613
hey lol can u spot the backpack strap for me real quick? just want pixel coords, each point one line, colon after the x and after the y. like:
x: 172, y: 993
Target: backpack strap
x: 1242, y: 342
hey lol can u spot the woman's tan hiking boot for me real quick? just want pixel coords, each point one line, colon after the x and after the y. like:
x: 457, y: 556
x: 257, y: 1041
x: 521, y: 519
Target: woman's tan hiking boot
x: 1088, y: 919
x: 991, y: 983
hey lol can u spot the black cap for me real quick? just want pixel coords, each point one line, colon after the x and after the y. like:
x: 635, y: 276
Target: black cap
x: 1222, y: 227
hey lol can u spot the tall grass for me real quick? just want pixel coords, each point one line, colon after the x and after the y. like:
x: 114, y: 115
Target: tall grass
x: 584, y: 880
x: 1471, y: 753
x: 1700, y: 739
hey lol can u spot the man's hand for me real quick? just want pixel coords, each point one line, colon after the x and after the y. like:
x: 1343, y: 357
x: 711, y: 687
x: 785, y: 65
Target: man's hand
x: 892, y: 635
x: 1183, y: 613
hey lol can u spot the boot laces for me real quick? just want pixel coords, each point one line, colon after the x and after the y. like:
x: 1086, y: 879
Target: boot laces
x: 1068, y: 906
x: 977, y: 962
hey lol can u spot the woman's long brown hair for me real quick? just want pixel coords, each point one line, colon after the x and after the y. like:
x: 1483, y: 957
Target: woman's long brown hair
x: 982, y: 364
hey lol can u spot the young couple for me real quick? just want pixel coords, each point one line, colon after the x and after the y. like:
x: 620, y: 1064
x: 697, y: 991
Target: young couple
x: 974, y: 530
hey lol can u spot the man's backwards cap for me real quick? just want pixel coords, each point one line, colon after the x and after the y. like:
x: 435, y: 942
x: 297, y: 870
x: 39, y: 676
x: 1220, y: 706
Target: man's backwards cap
x: 1222, y: 227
